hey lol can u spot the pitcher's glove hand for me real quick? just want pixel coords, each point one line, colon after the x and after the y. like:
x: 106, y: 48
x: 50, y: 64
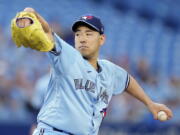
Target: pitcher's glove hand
x: 31, y: 35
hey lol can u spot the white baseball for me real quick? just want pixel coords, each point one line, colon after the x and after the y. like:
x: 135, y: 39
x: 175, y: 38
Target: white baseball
x: 162, y: 116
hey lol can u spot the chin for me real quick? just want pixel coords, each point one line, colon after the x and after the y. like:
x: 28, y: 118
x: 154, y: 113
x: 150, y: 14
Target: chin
x: 85, y: 55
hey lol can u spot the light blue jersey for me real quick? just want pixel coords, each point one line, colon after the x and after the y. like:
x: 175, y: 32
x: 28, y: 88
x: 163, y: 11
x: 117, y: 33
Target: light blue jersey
x: 78, y: 95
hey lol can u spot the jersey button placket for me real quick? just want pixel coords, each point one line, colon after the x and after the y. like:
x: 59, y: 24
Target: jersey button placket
x: 95, y: 101
x: 93, y: 105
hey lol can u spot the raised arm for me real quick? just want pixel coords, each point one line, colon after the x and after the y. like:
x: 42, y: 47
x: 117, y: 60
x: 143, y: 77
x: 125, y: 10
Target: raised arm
x: 26, y: 22
x: 136, y: 91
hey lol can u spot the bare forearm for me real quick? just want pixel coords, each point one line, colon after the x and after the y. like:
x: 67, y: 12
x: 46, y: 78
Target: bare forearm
x: 137, y: 91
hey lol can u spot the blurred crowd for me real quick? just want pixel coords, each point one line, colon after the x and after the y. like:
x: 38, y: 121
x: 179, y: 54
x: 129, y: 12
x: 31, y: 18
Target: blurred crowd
x: 21, y: 69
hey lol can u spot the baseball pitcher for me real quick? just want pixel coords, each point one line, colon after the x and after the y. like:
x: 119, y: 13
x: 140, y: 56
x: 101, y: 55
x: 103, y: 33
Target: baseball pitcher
x: 81, y: 85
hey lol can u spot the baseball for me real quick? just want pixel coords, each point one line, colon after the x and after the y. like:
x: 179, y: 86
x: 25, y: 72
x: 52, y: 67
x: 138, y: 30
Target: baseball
x: 162, y: 116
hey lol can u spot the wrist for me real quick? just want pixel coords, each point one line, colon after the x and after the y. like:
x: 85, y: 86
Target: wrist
x: 149, y: 103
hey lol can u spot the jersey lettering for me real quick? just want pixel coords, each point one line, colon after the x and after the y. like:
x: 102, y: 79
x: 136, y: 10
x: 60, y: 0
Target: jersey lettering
x: 103, y: 95
x: 82, y: 84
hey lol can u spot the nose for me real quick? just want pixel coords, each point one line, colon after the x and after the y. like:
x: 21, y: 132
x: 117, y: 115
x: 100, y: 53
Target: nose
x: 82, y: 39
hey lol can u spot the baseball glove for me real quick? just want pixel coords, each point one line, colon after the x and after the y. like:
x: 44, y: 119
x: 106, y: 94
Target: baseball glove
x: 33, y: 35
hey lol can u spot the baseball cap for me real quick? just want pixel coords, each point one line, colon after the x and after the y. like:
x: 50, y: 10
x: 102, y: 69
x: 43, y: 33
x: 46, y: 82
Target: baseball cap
x: 91, y: 21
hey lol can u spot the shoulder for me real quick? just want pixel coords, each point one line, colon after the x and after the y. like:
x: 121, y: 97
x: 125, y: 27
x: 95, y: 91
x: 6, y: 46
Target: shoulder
x: 105, y: 62
x: 109, y: 65
x: 65, y: 49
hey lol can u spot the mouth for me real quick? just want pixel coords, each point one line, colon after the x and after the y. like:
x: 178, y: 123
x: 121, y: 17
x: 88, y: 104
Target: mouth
x: 83, y: 47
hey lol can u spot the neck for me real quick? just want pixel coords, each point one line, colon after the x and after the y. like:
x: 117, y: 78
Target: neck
x: 93, y: 62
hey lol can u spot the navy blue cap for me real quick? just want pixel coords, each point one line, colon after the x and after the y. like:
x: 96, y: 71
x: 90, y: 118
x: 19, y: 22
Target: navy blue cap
x: 91, y: 21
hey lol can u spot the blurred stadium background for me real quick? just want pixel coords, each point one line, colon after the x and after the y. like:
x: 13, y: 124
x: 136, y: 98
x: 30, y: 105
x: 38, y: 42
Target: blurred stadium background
x: 143, y: 36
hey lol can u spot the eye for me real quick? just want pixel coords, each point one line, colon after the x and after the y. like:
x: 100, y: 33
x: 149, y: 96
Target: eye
x: 89, y: 34
x: 76, y: 34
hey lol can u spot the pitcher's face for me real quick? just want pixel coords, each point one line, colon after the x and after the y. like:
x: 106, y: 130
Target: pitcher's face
x: 88, y: 41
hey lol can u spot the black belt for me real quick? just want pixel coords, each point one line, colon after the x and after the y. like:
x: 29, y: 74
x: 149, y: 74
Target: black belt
x: 62, y: 131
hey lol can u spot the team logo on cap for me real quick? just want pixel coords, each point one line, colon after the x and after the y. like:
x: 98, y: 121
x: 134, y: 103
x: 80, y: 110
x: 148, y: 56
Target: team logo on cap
x: 87, y: 17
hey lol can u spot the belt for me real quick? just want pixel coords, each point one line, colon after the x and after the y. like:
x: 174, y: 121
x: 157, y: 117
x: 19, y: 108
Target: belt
x: 62, y: 131
x: 43, y: 125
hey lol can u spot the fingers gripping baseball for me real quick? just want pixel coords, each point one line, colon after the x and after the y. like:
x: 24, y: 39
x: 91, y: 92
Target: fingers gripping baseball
x: 156, y: 108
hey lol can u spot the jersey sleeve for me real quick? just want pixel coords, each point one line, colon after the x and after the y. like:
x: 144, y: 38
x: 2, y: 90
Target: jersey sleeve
x: 63, y: 56
x: 121, y: 80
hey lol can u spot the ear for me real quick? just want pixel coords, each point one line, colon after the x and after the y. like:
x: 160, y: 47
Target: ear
x: 102, y: 39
